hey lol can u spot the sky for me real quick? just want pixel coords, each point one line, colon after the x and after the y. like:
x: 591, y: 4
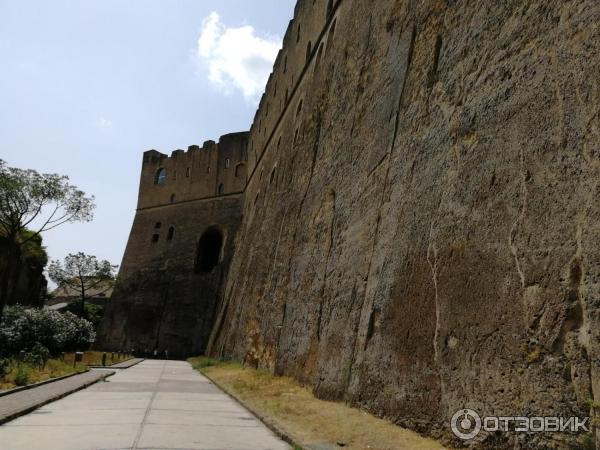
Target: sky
x: 87, y: 86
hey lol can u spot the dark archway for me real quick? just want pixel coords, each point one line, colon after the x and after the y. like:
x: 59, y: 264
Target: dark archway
x: 208, y: 254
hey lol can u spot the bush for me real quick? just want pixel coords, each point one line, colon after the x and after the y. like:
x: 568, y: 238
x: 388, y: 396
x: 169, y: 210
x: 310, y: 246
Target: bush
x: 93, y: 313
x: 22, y: 329
x: 38, y: 356
x: 22, y: 375
x: 4, y: 367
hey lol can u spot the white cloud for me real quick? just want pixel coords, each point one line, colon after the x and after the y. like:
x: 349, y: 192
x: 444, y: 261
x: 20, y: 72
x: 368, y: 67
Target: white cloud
x: 104, y: 123
x: 236, y: 58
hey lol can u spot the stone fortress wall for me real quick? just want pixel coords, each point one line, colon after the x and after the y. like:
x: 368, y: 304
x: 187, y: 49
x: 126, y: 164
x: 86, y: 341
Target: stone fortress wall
x: 418, y: 230
x: 420, y: 222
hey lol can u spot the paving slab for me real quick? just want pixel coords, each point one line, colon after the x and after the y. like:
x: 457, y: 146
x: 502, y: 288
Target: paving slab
x: 152, y: 405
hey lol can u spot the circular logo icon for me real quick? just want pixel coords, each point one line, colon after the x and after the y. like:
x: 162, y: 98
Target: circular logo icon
x: 466, y: 424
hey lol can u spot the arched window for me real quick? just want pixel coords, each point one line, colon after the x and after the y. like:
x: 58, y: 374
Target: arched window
x: 187, y: 171
x: 155, y: 238
x: 221, y: 189
x: 172, y: 198
x: 227, y: 163
x: 170, y: 233
x: 208, y: 169
x: 208, y: 254
x: 239, y: 170
x: 157, y: 225
x: 308, y: 51
x: 161, y: 176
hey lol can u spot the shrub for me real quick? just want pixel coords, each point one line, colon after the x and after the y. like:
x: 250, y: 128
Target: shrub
x: 22, y: 329
x: 93, y: 313
x: 4, y: 367
x: 22, y: 375
x: 38, y: 356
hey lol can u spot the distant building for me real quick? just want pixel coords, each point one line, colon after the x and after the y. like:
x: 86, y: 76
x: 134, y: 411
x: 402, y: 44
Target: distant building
x: 62, y: 296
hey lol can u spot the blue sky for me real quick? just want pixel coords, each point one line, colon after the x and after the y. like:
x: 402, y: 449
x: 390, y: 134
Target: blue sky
x: 87, y: 86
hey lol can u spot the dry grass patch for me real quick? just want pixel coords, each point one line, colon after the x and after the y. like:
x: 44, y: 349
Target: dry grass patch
x: 94, y: 358
x: 308, y: 420
x: 21, y: 374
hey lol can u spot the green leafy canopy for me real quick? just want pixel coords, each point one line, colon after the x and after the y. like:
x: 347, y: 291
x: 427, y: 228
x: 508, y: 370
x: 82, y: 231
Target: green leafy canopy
x: 27, y: 196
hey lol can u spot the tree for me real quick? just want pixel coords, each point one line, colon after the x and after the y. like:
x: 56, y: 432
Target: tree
x: 83, y: 274
x: 31, y: 203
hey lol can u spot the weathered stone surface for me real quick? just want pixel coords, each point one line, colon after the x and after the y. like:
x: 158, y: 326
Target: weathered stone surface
x: 424, y: 235
x: 419, y: 222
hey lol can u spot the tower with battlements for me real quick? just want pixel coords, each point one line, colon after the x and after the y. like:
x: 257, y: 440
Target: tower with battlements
x: 171, y: 278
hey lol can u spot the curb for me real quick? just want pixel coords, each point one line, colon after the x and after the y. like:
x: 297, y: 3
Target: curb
x: 39, y: 383
x: 119, y: 368
x: 270, y: 424
x: 28, y: 409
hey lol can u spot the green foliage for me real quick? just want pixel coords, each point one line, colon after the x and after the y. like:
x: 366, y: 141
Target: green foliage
x: 32, y: 249
x: 22, y: 375
x: 27, y: 198
x: 93, y: 313
x: 4, y: 367
x: 24, y: 193
x: 587, y: 442
x: 38, y: 355
x: 84, y: 276
x: 592, y: 403
x: 201, y: 362
x: 22, y: 329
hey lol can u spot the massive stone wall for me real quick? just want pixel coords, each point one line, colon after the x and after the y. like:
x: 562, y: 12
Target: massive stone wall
x: 166, y: 296
x: 421, y: 219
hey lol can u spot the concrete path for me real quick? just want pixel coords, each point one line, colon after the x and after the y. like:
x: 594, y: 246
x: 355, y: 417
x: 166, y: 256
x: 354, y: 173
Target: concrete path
x: 18, y: 403
x: 153, y: 405
x: 127, y: 364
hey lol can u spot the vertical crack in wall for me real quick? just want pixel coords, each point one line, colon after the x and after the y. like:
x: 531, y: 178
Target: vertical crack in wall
x: 433, y: 261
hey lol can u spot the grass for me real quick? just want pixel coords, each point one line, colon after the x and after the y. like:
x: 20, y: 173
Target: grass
x: 94, y: 358
x: 293, y: 408
x: 22, y: 374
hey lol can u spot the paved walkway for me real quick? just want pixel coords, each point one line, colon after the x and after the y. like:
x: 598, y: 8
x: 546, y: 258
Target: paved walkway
x: 17, y: 403
x: 127, y: 364
x: 152, y: 405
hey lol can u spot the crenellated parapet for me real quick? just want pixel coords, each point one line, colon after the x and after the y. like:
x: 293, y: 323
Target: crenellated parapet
x: 213, y: 170
x: 304, y: 45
